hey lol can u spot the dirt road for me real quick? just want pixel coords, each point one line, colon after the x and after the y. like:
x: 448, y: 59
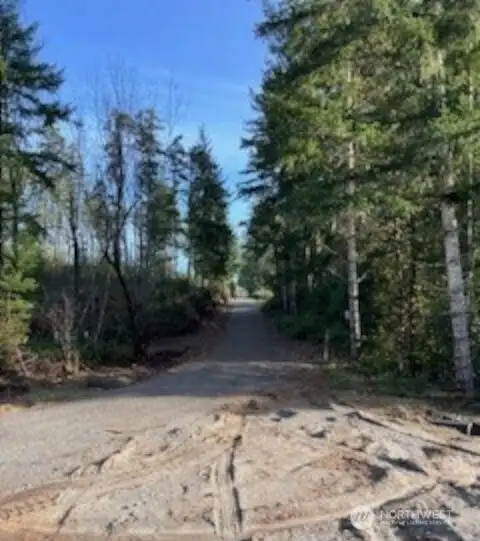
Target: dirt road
x: 229, y: 448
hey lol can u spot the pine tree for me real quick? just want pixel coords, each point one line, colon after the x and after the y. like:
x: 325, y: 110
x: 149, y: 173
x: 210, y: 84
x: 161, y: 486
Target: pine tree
x: 158, y: 214
x: 27, y: 104
x: 17, y: 286
x: 28, y: 107
x: 209, y: 234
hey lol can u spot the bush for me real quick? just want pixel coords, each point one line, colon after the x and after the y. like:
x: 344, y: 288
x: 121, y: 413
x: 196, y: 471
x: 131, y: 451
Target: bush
x: 107, y: 353
x: 165, y: 307
x: 303, y: 327
x: 176, y: 311
x: 17, y: 287
x: 15, y: 311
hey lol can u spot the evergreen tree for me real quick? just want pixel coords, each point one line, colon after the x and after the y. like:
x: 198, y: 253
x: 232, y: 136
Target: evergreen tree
x: 364, y: 138
x: 28, y: 105
x: 158, y: 212
x: 210, y: 237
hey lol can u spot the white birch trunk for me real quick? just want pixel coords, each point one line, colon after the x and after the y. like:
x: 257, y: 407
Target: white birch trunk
x: 352, y: 257
x: 308, y: 260
x: 458, y: 299
x: 353, y: 286
x: 470, y: 209
x: 474, y: 319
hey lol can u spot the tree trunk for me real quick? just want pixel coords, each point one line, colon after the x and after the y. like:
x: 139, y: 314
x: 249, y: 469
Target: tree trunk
x: 355, y: 330
x: 457, y: 297
x: 459, y: 305
x: 474, y: 320
x: 309, y: 262
x: 3, y: 120
x: 470, y: 226
x: 278, y: 274
x: 76, y: 265
x: 175, y: 232
x: 139, y: 230
x: 73, y: 222
x: 116, y: 264
x: 15, y: 195
x: 353, y: 284
x: 326, y: 346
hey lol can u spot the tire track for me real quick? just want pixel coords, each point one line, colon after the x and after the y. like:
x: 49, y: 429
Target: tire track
x: 98, y: 478
x: 383, y: 499
x: 227, y: 511
x: 228, y: 520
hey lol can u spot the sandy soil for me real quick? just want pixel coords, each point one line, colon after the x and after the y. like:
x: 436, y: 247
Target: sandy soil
x: 244, y: 444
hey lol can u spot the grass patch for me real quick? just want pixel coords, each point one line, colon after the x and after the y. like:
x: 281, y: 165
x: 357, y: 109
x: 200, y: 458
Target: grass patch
x: 342, y: 377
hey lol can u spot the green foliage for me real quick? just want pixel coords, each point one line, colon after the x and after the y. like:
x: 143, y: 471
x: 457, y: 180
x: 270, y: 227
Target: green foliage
x: 15, y: 310
x: 176, y: 308
x: 303, y: 327
x: 17, y: 289
x: 157, y: 215
x: 257, y: 268
x: 90, y: 241
x: 28, y: 106
x: 234, y: 258
x: 30, y: 94
x: 210, y: 238
x: 107, y: 353
x: 362, y: 109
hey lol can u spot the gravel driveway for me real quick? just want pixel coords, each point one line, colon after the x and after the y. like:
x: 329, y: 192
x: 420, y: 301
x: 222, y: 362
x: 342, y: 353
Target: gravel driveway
x: 228, y: 447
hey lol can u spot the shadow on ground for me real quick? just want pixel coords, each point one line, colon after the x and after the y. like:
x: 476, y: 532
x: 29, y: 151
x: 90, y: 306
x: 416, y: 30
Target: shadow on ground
x: 248, y: 360
x: 250, y: 363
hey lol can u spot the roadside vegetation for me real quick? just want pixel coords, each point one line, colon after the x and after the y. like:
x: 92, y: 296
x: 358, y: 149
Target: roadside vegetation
x: 114, y: 234
x: 364, y: 176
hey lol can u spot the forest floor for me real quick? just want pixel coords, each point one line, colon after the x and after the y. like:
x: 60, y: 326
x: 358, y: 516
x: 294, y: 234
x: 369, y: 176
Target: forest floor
x: 246, y: 442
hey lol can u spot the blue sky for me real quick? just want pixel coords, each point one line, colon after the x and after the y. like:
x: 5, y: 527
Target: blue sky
x: 207, y: 47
